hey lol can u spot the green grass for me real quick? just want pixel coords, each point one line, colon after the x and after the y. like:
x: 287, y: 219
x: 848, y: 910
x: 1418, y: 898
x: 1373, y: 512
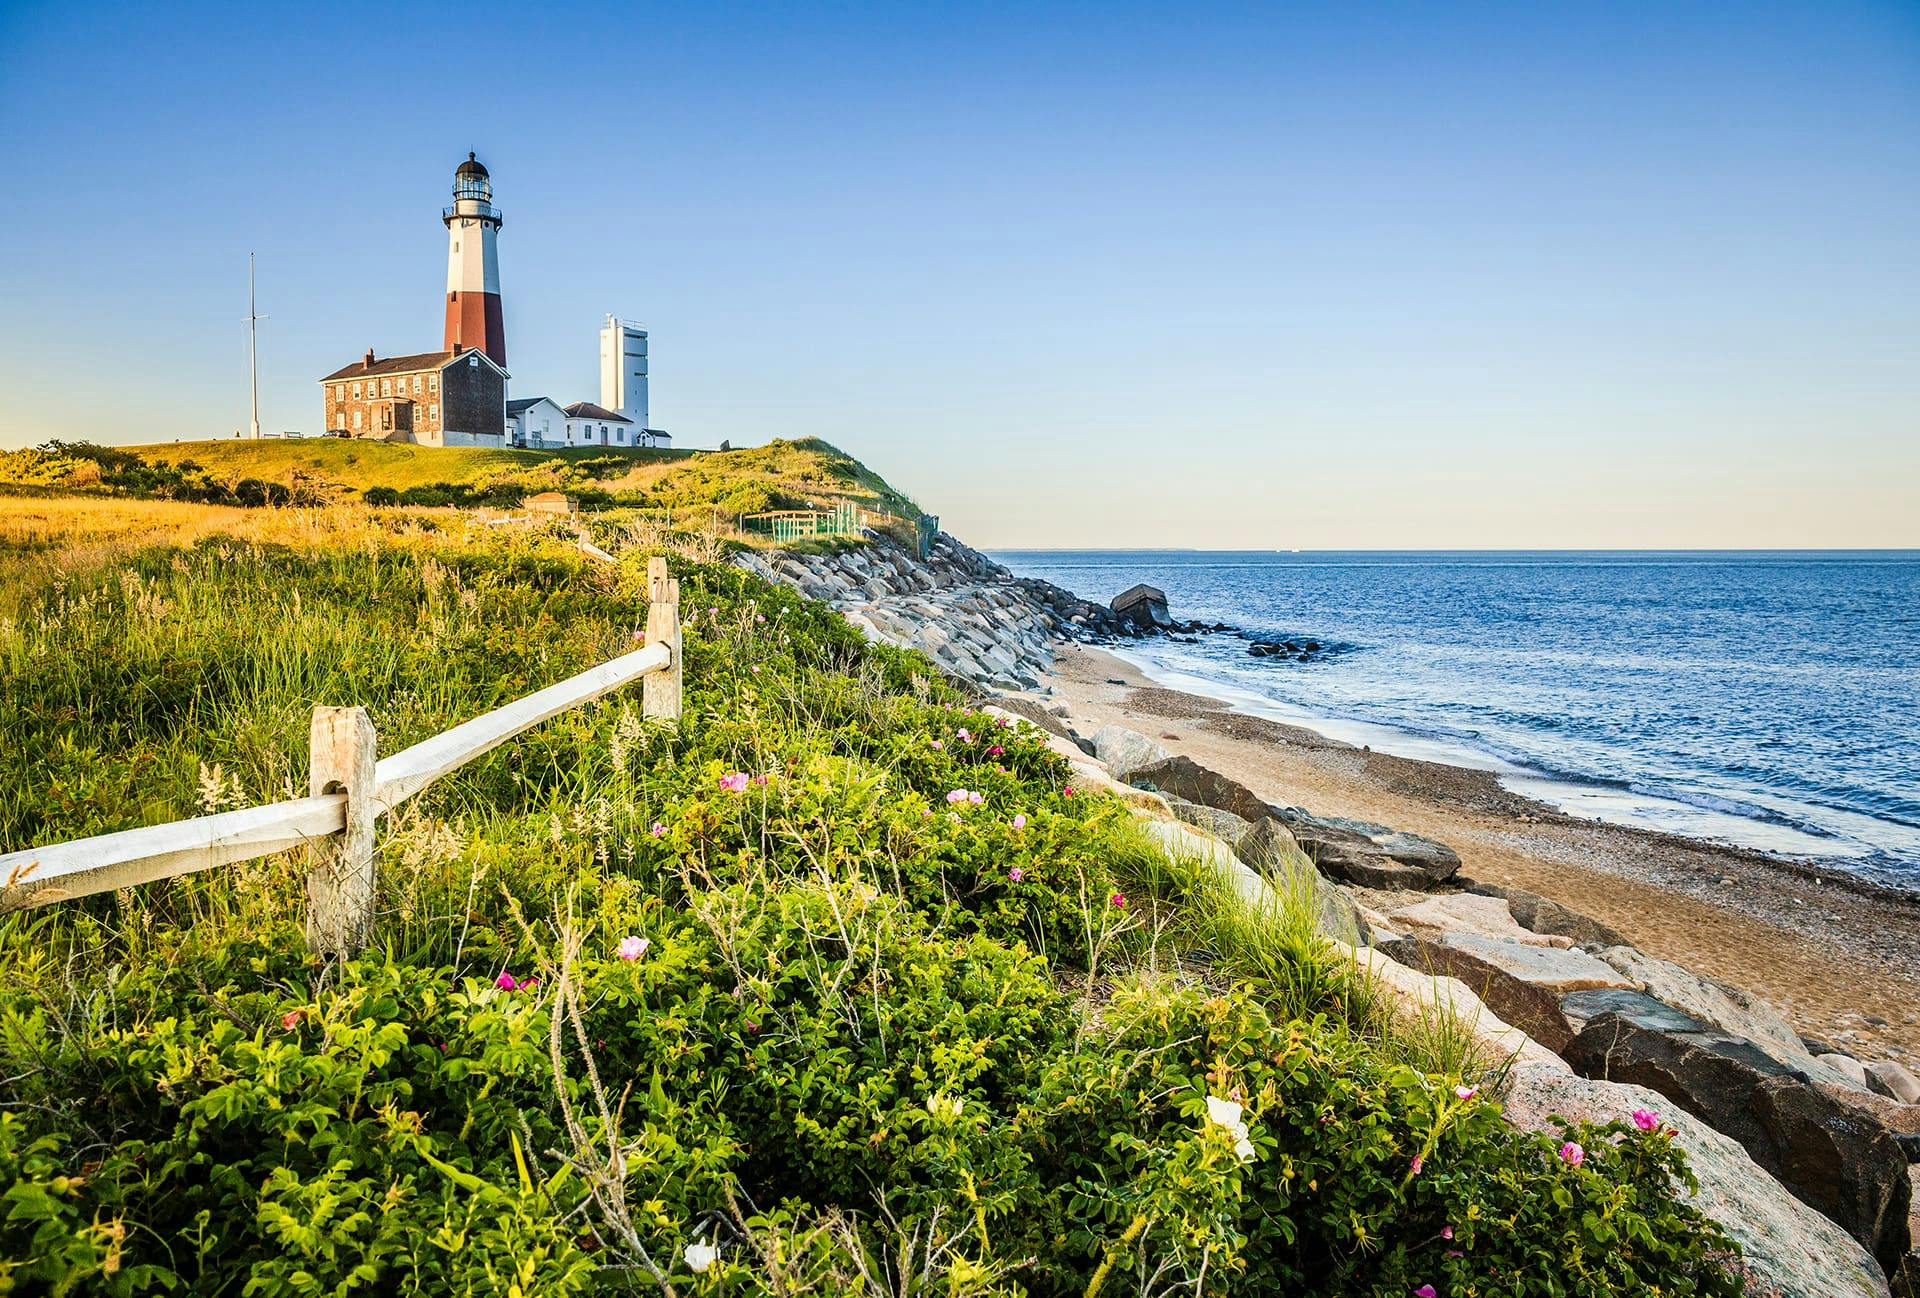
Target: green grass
x: 880, y: 1040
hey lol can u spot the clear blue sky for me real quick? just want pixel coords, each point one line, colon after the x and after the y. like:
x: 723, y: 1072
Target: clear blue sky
x: 1422, y: 275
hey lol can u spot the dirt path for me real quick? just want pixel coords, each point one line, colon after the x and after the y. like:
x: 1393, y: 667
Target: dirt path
x: 1841, y: 960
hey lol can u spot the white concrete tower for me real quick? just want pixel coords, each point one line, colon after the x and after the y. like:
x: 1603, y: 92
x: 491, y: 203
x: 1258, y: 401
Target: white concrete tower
x: 623, y: 370
x: 474, y: 318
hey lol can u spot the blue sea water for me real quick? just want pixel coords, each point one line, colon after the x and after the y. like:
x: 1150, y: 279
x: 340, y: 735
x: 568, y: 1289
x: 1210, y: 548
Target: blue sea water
x: 1767, y: 699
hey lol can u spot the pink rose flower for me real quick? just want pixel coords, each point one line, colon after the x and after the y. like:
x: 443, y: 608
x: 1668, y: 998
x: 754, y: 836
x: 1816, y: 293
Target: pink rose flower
x: 734, y: 782
x: 506, y: 982
x: 1446, y: 1232
x: 1417, y: 1163
x: 995, y: 751
x: 964, y: 735
x: 1425, y: 1291
x: 938, y: 744
x: 956, y: 795
x: 1644, y: 1120
x: 1067, y: 792
x: 632, y: 947
x: 1573, y: 1154
x: 1019, y: 821
x: 1016, y: 874
x: 1118, y: 901
x: 1466, y: 1092
x: 290, y: 1018
x: 976, y: 797
x: 659, y: 830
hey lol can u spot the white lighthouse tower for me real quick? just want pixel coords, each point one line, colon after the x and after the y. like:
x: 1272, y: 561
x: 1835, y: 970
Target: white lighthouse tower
x: 474, y: 318
x: 623, y: 371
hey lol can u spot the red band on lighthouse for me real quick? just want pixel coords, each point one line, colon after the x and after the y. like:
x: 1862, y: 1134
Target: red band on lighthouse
x: 474, y: 317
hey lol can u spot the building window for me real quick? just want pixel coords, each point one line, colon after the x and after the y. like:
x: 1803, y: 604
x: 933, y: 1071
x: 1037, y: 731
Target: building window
x: 386, y: 387
x: 356, y: 392
x: 433, y: 382
x: 416, y: 385
x: 433, y: 412
x: 356, y: 421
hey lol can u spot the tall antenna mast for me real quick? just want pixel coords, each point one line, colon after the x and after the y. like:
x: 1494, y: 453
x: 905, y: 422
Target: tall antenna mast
x: 253, y: 348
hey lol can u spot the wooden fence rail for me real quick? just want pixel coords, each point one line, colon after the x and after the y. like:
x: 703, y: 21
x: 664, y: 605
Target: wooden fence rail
x: 350, y: 791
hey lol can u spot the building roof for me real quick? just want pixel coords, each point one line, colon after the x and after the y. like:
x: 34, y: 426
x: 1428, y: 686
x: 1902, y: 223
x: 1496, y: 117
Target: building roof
x: 360, y: 369
x: 471, y: 167
x: 519, y: 404
x: 587, y: 410
x: 369, y: 367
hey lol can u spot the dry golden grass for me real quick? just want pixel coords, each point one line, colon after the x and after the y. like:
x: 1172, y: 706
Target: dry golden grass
x: 44, y: 540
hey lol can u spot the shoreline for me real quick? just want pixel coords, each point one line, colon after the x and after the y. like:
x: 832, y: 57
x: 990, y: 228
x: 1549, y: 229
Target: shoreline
x: 1838, y: 954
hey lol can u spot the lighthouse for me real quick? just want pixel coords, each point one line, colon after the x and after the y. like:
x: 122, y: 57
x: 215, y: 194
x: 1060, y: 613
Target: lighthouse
x: 473, y: 265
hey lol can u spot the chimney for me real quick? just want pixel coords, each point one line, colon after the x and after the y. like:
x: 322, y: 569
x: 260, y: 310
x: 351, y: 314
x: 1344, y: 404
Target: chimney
x: 367, y: 364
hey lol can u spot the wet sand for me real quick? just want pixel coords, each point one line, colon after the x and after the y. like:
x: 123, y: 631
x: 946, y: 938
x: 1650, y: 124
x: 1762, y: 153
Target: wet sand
x: 1839, y: 957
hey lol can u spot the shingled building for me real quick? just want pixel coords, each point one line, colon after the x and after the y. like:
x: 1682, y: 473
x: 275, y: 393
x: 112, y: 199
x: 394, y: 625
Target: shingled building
x: 446, y: 398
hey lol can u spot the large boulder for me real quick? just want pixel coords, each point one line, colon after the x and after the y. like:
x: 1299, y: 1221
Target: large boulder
x: 1787, y: 1250
x: 1223, y: 825
x: 1895, y: 1081
x: 1542, y: 915
x: 1466, y: 912
x: 1125, y: 751
x: 1270, y: 851
x: 1350, y: 851
x: 1718, y: 1003
x: 1532, y: 1008
x: 1833, y: 1157
x: 1368, y: 855
x: 1182, y: 777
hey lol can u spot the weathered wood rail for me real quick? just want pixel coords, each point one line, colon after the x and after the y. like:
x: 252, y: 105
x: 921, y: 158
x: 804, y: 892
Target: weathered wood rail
x: 350, y: 791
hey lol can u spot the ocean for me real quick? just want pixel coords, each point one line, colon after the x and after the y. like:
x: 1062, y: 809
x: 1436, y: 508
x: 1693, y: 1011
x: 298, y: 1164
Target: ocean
x: 1765, y: 699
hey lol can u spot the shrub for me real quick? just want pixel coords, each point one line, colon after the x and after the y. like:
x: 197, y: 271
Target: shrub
x: 882, y: 1031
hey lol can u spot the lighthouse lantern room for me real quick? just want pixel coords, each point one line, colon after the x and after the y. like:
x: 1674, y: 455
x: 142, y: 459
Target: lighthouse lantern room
x: 474, y: 319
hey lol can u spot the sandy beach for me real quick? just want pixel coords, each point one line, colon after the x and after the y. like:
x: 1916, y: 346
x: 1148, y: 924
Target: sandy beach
x: 1839, y: 957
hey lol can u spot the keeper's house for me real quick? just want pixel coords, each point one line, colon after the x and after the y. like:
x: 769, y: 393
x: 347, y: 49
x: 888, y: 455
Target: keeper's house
x: 446, y: 398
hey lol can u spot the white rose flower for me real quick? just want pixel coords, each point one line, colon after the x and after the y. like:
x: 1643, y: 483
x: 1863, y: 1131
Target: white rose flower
x: 701, y: 1256
x: 1225, y: 1113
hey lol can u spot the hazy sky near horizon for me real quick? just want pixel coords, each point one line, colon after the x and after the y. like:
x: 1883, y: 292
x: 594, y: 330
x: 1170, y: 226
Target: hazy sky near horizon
x: 1424, y: 275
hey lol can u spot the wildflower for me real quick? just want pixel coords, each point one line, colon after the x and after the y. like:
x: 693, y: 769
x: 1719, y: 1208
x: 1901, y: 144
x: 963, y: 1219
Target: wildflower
x: 1573, y: 1154
x: 640, y: 636
x: 632, y: 947
x: 1226, y: 1114
x: 506, y: 982
x: 1067, y: 791
x: 755, y: 669
x: 1003, y: 723
x: 1644, y: 1120
x: 759, y: 779
x: 1425, y: 1291
x: 1465, y: 1092
x: 1016, y: 874
x: 290, y: 1018
x: 1413, y: 1168
x: 659, y: 830
x: 938, y: 744
x: 941, y: 1106
x: 701, y: 1256
x: 1118, y: 901
x: 976, y: 797
x: 1446, y: 1232
x: 734, y: 782
x: 760, y: 617
x: 1019, y: 820
x: 753, y: 1028
x: 964, y: 735
x: 956, y: 795
x: 995, y: 751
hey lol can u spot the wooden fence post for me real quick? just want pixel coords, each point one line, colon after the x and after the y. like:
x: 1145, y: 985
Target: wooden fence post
x: 340, y: 882
x: 661, y: 689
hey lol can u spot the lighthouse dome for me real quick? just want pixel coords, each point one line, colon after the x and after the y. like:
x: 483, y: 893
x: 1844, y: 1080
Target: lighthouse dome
x: 470, y: 180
